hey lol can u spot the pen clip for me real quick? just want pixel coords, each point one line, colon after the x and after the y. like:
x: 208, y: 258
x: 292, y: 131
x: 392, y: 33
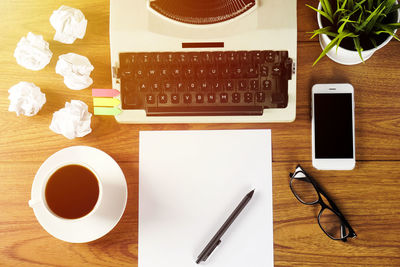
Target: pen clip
x: 210, y: 251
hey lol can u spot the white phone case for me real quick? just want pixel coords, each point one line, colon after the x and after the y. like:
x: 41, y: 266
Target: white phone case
x: 332, y: 163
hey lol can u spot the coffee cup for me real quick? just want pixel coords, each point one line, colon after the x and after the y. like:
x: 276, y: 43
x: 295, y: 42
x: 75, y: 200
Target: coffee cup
x: 70, y: 191
x: 79, y: 194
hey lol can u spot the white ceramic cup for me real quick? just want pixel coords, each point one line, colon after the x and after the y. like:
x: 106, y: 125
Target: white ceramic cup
x: 42, y: 197
x: 109, y: 208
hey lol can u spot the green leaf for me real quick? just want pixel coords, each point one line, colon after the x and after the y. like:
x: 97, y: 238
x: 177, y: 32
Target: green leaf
x: 334, y: 42
x: 350, y: 5
x: 374, y: 19
x: 343, y: 4
x: 343, y: 35
x: 370, y: 2
x: 387, y: 30
x: 394, y: 25
x: 360, y: 17
x: 359, y: 4
x: 326, y: 6
x: 388, y: 4
x: 368, y: 19
x: 339, y: 11
x: 327, y: 48
x: 373, y: 41
x: 358, y: 47
x: 322, y: 13
x: 345, y: 21
x: 326, y: 30
x: 394, y: 8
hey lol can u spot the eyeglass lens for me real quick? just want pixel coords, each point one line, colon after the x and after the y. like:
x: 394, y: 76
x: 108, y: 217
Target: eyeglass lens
x: 332, y: 225
x: 304, y: 190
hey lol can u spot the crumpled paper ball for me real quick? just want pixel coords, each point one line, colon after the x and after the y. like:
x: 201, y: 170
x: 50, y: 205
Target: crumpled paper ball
x: 72, y: 121
x: 32, y: 52
x: 76, y: 70
x: 26, y: 99
x: 69, y: 23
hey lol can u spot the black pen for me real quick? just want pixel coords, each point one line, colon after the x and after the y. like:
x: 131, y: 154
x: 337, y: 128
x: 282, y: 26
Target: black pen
x: 216, y: 240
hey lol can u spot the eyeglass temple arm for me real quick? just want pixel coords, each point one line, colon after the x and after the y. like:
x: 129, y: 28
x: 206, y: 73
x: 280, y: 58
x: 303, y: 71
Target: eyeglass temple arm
x: 343, y: 233
x: 321, y: 191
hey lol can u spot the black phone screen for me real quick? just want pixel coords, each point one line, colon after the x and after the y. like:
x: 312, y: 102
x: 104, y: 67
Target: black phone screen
x: 333, y: 125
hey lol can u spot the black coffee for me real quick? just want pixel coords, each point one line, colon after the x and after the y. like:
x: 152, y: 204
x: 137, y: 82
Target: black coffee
x: 72, y: 191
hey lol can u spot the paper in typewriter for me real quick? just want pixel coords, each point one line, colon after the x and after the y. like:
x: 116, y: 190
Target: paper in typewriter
x: 190, y: 182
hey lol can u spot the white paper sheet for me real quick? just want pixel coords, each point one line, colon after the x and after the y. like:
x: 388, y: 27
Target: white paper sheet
x: 190, y: 182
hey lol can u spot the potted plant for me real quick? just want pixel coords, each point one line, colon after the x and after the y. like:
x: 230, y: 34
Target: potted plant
x: 356, y: 27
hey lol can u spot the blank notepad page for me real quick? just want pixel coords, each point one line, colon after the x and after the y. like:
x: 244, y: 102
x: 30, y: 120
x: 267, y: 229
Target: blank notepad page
x: 189, y: 184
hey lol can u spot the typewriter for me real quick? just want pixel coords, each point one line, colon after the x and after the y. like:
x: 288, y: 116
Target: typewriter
x: 210, y: 61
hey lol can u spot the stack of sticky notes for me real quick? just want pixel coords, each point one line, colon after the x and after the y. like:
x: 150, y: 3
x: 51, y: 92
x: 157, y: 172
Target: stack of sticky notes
x: 104, y: 102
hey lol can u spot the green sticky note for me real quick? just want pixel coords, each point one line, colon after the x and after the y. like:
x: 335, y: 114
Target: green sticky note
x: 106, y: 111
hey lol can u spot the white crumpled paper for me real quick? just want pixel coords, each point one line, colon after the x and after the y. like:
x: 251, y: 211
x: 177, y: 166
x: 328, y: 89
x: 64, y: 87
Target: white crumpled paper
x: 32, y: 52
x: 26, y: 99
x: 73, y: 120
x: 69, y: 23
x: 76, y: 70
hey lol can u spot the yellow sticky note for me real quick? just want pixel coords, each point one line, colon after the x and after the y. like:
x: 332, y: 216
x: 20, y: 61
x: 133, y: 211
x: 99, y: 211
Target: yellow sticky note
x: 106, y: 101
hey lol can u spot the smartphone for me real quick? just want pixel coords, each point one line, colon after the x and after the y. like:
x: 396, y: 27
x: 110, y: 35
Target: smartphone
x: 333, y: 139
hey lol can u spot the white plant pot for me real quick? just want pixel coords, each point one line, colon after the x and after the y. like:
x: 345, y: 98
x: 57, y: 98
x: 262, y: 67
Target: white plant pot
x: 345, y: 56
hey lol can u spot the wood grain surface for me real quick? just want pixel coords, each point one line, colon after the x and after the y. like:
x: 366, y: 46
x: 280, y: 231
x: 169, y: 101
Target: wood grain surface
x: 368, y: 195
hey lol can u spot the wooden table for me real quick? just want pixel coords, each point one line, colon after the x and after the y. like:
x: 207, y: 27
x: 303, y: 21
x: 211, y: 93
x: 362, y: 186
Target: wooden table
x: 369, y: 195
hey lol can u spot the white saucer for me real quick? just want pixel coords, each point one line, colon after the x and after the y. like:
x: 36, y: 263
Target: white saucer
x: 110, y: 209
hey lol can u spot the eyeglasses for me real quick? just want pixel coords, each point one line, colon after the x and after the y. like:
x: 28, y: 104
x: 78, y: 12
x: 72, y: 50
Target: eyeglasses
x: 330, y: 219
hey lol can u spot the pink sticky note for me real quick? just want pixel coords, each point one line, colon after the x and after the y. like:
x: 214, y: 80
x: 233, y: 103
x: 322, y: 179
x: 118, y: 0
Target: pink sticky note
x: 105, y: 92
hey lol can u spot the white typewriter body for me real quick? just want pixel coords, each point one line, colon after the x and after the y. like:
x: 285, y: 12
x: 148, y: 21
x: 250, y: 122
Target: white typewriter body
x: 269, y: 25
